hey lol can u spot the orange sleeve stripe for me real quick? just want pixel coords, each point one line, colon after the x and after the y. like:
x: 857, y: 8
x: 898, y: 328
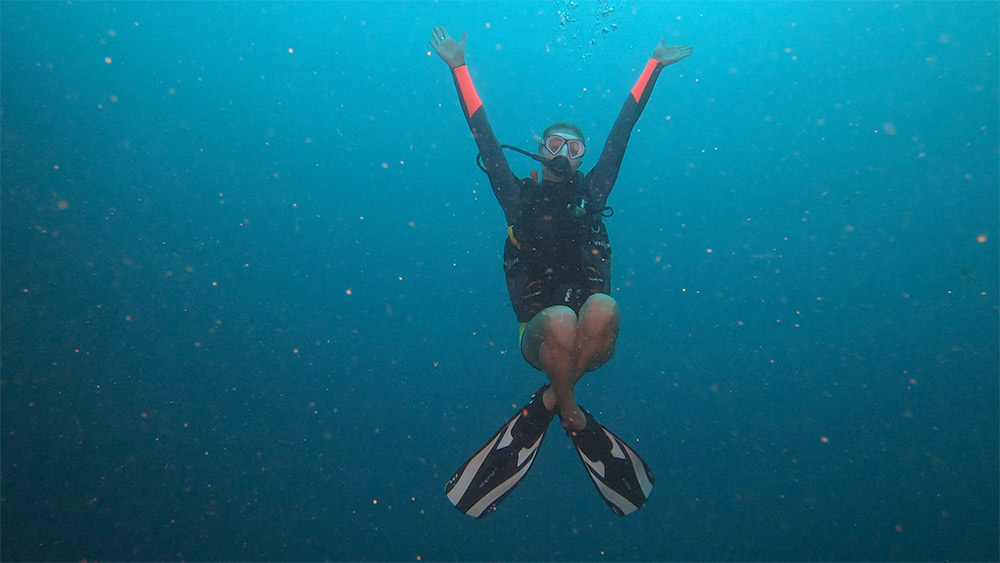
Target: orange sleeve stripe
x: 467, y: 90
x: 640, y: 84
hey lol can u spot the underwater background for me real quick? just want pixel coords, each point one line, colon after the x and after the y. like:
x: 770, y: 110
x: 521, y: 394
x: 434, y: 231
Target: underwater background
x: 253, y: 305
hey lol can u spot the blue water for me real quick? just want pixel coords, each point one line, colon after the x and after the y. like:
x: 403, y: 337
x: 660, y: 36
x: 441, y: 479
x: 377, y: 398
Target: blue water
x: 253, y: 305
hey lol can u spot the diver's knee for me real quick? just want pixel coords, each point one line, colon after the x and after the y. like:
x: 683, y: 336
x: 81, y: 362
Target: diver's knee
x: 559, y: 326
x: 601, y: 310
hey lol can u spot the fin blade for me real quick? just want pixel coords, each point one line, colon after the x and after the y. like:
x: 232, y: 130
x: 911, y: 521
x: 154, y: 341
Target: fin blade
x: 459, y: 484
x: 498, y: 466
x: 487, y: 503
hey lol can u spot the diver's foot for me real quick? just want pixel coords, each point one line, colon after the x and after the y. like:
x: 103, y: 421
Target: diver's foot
x: 574, y: 421
x: 549, y: 399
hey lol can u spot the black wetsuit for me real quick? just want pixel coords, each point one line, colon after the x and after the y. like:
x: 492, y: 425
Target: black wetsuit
x: 557, y: 251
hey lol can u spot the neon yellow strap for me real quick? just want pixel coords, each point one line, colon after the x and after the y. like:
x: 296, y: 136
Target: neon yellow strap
x: 510, y: 233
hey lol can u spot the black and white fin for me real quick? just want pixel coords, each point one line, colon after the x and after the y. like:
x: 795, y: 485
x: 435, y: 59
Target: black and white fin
x: 622, y: 478
x: 498, y: 467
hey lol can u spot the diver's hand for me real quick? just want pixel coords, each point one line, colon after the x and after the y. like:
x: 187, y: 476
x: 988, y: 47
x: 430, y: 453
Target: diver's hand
x: 450, y: 51
x: 670, y: 54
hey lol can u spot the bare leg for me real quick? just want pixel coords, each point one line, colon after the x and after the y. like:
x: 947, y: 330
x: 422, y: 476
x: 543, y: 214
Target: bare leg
x: 565, y: 346
x: 597, y: 332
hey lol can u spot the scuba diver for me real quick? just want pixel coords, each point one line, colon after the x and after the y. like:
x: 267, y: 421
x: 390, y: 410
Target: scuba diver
x: 557, y: 262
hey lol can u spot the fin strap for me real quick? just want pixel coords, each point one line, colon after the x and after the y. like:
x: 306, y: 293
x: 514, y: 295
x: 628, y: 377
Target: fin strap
x: 513, y: 239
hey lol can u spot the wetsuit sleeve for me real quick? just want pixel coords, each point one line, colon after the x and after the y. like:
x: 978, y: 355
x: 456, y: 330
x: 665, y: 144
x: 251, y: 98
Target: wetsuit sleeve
x: 505, y: 185
x: 602, y: 177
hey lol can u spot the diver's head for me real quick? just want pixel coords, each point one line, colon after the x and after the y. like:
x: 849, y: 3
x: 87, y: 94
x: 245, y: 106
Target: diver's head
x: 562, y: 146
